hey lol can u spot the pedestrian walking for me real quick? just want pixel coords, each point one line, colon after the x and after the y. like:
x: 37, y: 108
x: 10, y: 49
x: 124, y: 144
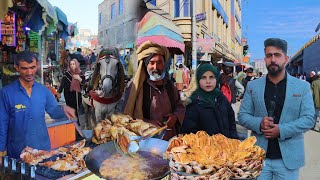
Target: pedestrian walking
x: 236, y: 88
x: 278, y: 109
x: 316, y: 91
x: 71, y: 84
x: 312, y: 77
x: 178, y: 76
x: 249, y: 77
x: 186, y: 76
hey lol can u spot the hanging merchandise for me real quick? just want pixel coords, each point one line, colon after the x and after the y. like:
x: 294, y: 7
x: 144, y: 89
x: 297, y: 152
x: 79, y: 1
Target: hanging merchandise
x: 7, y: 34
x: 33, y: 41
x: 21, y: 37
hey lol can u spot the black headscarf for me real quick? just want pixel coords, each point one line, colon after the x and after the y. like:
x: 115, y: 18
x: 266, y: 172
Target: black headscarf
x: 201, y: 95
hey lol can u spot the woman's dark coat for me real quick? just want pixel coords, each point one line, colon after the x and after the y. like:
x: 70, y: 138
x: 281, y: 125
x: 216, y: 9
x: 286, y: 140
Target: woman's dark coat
x: 219, y: 119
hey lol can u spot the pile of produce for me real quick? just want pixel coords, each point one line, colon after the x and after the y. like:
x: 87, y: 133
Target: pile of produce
x: 200, y: 156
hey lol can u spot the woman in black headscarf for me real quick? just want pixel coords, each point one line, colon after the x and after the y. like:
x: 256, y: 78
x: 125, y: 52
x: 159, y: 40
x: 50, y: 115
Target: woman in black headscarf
x: 210, y: 110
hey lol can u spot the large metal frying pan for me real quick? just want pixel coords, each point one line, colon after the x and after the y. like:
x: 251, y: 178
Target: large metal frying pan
x: 100, y: 153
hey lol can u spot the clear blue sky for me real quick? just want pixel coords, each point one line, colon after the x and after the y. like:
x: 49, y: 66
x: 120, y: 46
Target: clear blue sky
x: 292, y: 20
x: 85, y: 12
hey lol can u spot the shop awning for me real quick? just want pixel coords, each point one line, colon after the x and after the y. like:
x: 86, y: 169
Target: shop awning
x: 39, y: 19
x: 61, y: 16
x: 49, y: 10
x: 72, y: 29
x: 160, y: 30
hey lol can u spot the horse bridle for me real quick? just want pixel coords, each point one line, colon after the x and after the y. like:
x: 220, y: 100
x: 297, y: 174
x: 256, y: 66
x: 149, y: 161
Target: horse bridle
x: 113, y: 80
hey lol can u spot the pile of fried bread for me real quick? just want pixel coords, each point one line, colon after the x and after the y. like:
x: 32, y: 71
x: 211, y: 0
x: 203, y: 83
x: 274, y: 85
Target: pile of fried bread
x: 71, y: 160
x: 200, y: 156
x: 120, y: 124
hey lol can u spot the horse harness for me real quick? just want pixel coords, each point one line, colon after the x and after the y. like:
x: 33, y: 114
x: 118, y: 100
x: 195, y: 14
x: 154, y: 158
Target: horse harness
x: 113, y: 80
x: 104, y: 100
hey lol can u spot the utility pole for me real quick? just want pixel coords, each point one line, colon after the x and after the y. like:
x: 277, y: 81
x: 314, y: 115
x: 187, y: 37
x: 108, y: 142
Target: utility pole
x: 194, y: 36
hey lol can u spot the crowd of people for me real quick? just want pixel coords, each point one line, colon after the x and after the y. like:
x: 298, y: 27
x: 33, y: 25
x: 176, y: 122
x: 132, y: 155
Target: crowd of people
x: 277, y: 107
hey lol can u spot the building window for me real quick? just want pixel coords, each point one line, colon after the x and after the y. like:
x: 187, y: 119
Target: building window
x: 113, y: 10
x: 120, y: 7
x: 100, y: 18
x: 154, y: 2
x: 186, y: 8
x: 176, y: 8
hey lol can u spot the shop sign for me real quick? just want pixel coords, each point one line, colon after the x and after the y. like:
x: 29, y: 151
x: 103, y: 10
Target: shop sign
x: 205, y: 45
x: 179, y: 59
x: 200, y: 17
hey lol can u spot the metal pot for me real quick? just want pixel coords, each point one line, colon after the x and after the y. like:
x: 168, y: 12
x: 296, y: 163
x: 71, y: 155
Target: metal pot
x: 157, y: 146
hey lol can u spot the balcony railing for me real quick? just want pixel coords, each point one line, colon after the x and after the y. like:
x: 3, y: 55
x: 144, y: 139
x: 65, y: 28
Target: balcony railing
x: 238, y: 18
x: 238, y: 38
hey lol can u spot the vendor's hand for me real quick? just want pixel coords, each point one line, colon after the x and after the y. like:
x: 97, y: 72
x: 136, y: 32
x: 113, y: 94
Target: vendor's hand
x: 266, y: 123
x: 272, y: 133
x: 58, y: 96
x: 69, y: 112
x: 171, y: 120
x: 156, y: 123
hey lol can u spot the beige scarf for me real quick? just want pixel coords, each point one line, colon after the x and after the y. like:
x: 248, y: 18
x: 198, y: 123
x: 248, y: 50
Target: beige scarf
x: 135, y: 101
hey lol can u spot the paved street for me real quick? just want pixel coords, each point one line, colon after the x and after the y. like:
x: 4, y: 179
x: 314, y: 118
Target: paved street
x: 311, y: 171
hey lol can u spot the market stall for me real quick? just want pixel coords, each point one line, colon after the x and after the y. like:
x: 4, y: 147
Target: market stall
x: 84, y: 158
x: 191, y: 156
x: 33, y: 25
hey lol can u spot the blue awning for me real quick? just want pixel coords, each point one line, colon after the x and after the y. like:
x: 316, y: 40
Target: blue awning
x: 61, y: 16
x: 36, y: 22
x: 221, y: 11
x: 39, y: 21
x: 129, y: 46
x: 49, y: 9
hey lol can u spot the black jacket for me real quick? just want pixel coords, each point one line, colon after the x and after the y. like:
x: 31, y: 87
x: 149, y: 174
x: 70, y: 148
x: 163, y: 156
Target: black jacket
x: 212, y: 120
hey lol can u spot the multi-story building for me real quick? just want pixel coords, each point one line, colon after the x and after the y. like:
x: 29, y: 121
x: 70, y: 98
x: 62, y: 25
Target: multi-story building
x: 219, y: 27
x: 84, y: 39
x: 260, y: 66
x: 307, y: 58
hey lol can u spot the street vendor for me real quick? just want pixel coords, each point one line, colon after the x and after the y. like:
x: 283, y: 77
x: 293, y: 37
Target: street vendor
x: 23, y: 104
x: 152, y: 96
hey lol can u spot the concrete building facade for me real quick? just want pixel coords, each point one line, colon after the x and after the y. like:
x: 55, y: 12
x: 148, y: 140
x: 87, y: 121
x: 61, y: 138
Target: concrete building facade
x: 307, y: 59
x: 117, y: 23
x: 260, y: 66
x: 218, y: 29
x: 221, y: 26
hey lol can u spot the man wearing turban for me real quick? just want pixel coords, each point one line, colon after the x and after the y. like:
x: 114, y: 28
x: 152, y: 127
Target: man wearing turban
x: 152, y: 96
